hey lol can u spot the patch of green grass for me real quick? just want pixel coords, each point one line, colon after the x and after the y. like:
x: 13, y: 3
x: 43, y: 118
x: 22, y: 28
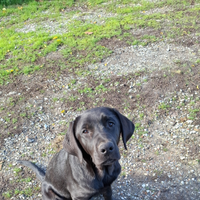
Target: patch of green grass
x: 44, y: 154
x: 7, y: 194
x: 100, y: 88
x: 73, y: 81
x: 138, y: 84
x: 192, y: 103
x: 123, y: 173
x: 28, y: 192
x: 2, y: 108
x: 14, y: 120
x: 137, y: 126
x: 22, y: 114
x: 26, y: 180
x: 193, y: 113
x: 55, y: 99
x: 7, y: 119
x: 19, y: 54
x: 141, y: 115
x: 165, y: 149
x: 17, y: 170
x: 141, y: 133
x: 72, y: 98
x: 17, y: 191
x: 141, y: 145
x: 164, y: 106
x: 138, y: 96
x: 86, y: 90
x: 10, y: 165
x: 174, y: 99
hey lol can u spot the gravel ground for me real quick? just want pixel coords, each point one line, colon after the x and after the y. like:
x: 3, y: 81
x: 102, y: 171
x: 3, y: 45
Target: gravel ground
x: 164, y: 164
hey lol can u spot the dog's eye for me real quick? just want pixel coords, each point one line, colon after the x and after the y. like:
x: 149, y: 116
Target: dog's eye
x: 110, y: 124
x: 85, y: 131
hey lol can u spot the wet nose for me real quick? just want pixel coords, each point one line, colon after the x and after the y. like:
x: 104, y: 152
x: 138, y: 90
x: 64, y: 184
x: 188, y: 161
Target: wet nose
x: 106, y: 148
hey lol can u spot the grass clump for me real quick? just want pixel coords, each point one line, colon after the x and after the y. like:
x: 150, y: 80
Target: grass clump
x: 78, y: 40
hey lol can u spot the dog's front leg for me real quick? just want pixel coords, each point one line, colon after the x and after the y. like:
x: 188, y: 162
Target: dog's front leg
x: 107, y: 194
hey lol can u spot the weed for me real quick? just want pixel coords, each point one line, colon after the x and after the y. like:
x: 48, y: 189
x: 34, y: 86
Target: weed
x: 141, y: 146
x: 44, y: 154
x: 138, y: 96
x: 2, y: 108
x: 72, y: 98
x: 103, y: 100
x: 55, y: 99
x: 141, y: 115
x: 17, y: 170
x: 27, y: 180
x: 7, y: 119
x: 193, y: 113
x: 86, y: 90
x: 22, y: 114
x: 138, y: 84
x: 158, y: 172
x: 123, y: 173
x: 10, y: 165
x: 14, y: 120
x: 73, y: 81
x: 100, y: 88
x: 174, y: 99
x: 7, y: 194
x: 82, y: 103
x: 198, y: 61
x: 17, y: 191
x: 137, y: 126
x: 165, y: 149
x: 192, y: 103
x: 28, y: 192
x: 163, y: 106
x: 145, y: 80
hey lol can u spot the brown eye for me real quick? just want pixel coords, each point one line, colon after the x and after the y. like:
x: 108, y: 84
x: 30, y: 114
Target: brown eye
x: 85, y: 131
x: 110, y: 124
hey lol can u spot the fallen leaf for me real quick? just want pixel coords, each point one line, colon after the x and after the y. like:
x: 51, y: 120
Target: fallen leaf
x: 183, y: 119
x: 88, y: 33
x: 178, y: 72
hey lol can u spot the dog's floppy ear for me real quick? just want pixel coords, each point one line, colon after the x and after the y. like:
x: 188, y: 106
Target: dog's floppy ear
x: 70, y: 143
x: 127, y: 127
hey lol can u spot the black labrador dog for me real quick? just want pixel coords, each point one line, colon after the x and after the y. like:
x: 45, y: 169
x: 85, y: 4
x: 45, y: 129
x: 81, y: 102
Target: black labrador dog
x: 88, y: 163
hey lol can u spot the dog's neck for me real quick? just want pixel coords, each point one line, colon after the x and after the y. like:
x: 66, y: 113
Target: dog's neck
x: 104, y: 171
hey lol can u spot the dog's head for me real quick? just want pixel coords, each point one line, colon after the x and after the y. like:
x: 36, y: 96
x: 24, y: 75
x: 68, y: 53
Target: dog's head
x: 96, y: 133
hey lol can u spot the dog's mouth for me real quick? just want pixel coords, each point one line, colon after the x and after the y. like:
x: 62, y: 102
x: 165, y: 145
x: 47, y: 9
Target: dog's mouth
x: 108, y: 162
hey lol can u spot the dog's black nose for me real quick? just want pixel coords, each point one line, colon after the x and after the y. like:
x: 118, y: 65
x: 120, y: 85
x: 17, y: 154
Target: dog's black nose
x: 106, y: 148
